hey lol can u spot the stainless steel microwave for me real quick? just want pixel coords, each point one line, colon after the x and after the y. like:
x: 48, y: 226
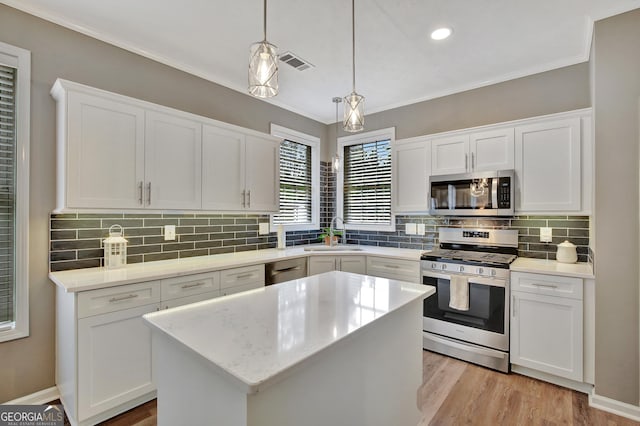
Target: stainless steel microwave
x: 473, y: 194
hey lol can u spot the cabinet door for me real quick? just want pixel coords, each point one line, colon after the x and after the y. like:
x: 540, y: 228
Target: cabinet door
x: 355, y: 264
x: 411, y: 171
x: 320, y: 264
x: 105, y: 153
x: 546, y: 334
x: 548, y: 166
x: 492, y: 150
x: 223, y: 183
x: 173, y: 149
x: 450, y: 155
x: 114, y: 360
x: 263, y: 174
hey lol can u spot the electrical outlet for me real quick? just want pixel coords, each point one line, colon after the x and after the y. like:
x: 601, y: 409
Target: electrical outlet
x: 546, y: 235
x: 410, y: 228
x: 169, y: 232
x: 263, y: 228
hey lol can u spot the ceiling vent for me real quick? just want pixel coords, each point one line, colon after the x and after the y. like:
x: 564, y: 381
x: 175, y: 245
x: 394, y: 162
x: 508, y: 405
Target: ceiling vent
x: 295, y: 61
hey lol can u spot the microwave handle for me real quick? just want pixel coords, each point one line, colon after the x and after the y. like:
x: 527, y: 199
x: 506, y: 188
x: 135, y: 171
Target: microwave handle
x: 494, y: 193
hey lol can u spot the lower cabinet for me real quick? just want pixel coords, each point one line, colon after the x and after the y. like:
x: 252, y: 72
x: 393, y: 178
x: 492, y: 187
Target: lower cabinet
x: 396, y: 269
x: 547, y: 324
x: 114, y: 360
x: 320, y: 264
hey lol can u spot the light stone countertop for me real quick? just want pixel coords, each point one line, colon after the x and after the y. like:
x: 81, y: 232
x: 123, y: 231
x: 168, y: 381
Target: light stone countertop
x: 95, y: 278
x: 257, y: 337
x: 552, y: 267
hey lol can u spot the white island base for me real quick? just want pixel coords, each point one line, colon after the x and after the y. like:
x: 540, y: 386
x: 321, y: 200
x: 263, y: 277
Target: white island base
x: 367, y: 374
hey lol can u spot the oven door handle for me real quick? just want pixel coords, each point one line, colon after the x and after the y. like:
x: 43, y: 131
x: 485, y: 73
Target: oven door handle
x: 474, y: 349
x: 472, y: 279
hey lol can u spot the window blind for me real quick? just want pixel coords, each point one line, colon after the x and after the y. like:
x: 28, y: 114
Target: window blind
x: 7, y: 192
x: 295, y: 184
x: 367, y: 183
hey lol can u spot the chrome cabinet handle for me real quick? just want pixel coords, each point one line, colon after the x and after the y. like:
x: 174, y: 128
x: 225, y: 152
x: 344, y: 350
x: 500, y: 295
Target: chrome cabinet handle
x: 391, y: 266
x: 545, y: 285
x: 192, y: 285
x: 244, y: 198
x: 249, y: 195
x: 120, y: 299
x: 140, y: 193
x: 473, y: 165
x: 243, y: 276
x: 149, y: 194
x: 466, y: 161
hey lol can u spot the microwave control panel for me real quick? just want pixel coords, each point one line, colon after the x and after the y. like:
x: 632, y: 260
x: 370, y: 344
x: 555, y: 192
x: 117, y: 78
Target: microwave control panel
x: 504, y: 193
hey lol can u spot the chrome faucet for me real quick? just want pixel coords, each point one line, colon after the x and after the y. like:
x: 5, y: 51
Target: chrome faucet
x: 331, y: 228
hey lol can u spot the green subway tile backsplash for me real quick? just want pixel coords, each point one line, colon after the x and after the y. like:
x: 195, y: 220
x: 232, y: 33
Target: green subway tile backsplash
x: 76, y: 238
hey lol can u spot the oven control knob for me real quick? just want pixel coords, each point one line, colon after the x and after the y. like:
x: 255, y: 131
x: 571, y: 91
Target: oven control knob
x: 480, y: 271
x: 444, y: 267
x: 493, y: 272
x: 461, y: 269
x: 434, y: 265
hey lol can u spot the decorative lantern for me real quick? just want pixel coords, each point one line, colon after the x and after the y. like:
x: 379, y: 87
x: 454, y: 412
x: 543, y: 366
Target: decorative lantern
x: 115, y: 248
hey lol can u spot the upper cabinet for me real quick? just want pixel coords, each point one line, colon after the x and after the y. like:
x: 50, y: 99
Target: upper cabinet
x: 411, y: 170
x: 120, y: 153
x: 473, y: 152
x: 240, y: 172
x: 549, y: 175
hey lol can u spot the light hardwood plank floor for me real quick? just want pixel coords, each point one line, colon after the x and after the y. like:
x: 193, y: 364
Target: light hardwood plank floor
x: 454, y: 392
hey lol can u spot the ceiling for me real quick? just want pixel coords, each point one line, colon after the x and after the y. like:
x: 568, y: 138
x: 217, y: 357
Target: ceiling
x: 397, y: 63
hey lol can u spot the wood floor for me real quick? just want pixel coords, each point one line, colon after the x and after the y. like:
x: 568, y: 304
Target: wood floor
x: 456, y: 393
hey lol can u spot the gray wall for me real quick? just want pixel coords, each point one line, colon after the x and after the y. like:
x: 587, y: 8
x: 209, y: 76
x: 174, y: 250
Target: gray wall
x: 28, y: 364
x: 563, y: 89
x: 616, y: 105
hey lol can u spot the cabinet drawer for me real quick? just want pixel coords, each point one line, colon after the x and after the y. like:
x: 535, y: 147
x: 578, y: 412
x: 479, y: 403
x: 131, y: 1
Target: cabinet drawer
x: 396, y: 269
x: 189, y: 285
x: 242, y: 276
x: 547, y: 284
x: 241, y: 288
x: 114, y: 299
x: 181, y: 301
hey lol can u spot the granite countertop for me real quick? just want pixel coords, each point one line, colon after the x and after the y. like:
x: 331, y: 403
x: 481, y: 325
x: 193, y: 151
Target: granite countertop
x: 261, y: 334
x: 552, y: 267
x: 94, y: 278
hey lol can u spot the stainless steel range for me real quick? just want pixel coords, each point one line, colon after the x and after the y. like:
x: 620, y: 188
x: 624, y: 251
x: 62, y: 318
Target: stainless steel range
x: 468, y: 317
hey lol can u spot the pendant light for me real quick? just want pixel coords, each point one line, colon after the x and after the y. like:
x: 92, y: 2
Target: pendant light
x: 263, y: 66
x: 335, y: 161
x: 353, y: 103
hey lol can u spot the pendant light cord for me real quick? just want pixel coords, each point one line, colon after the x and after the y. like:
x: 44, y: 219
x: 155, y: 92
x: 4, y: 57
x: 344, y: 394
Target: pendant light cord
x: 265, y: 20
x: 353, y: 41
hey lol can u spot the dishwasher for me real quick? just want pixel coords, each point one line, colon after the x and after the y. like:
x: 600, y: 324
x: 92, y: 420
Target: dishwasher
x: 285, y: 270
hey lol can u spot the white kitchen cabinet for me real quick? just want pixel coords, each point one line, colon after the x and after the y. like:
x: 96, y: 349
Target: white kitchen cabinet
x: 173, y: 163
x: 240, y: 172
x: 486, y: 150
x: 321, y: 264
x: 114, y: 360
x: 396, y: 269
x: 548, y: 166
x: 181, y: 301
x: 411, y: 171
x: 547, y: 324
x: 236, y: 280
x: 100, y: 151
x: 450, y: 154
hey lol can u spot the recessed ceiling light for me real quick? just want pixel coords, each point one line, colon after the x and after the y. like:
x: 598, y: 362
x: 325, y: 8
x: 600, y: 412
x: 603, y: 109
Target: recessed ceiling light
x: 441, y: 33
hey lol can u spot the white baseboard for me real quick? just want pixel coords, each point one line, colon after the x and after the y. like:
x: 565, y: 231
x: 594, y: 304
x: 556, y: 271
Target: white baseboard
x: 615, y: 407
x: 550, y: 378
x: 40, y: 397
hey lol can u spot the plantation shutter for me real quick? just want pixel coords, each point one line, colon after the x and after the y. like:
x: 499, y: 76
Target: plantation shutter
x: 295, y: 184
x: 7, y: 191
x: 367, y: 183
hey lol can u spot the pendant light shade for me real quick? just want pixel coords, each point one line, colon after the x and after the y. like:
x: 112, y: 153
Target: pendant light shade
x: 263, y: 66
x: 353, y: 103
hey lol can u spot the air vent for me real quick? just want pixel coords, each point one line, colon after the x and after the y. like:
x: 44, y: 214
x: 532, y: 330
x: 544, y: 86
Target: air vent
x: 295, y: 61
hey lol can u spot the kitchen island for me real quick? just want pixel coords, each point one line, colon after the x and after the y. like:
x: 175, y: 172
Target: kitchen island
x: 335, y: 348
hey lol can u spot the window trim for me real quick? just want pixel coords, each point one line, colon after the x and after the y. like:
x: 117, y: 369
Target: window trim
x: 376, y: 135
x: 314, y: 143
x: 21, y: 60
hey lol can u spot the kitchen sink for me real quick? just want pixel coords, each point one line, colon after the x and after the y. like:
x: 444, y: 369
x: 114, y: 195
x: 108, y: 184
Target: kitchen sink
x: 339, y: 247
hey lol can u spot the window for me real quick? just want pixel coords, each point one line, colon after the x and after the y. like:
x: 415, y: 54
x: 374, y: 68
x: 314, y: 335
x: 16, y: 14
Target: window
x: 299, y: 180
x: 364, y: 182
x: 15, y: 78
